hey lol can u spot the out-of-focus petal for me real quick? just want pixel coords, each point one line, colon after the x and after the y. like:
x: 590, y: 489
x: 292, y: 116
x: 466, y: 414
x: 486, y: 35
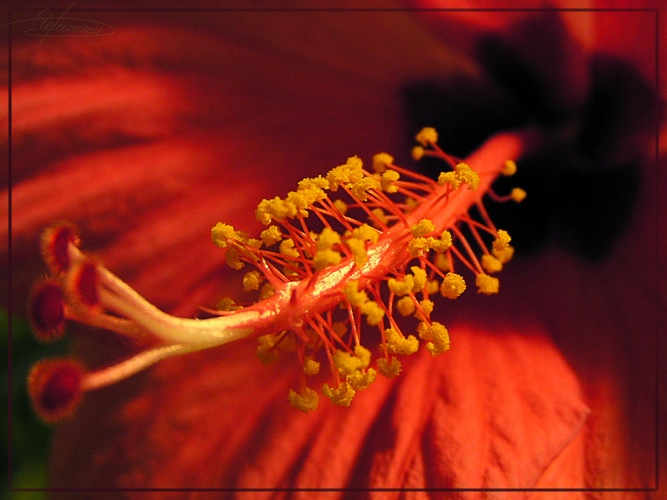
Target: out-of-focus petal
x: 603, y: 317
x: 486, y: 416
x: 605, y: 321
x: 594, y: 23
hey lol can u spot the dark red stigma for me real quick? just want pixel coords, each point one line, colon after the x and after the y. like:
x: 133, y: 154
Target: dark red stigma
x: 46, y: 311
x: 55, y: 242
x: 55, y: 388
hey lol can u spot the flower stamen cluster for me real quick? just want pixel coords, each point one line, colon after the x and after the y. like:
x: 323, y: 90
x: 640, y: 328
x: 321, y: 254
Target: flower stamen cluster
x: 340, y: 255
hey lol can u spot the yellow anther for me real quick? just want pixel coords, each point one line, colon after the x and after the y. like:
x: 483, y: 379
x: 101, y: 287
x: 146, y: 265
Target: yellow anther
x: 486, y: 284
x: 346, y: 363
x: 222, y: 233
x: 389, y: 368
x: 364, y: 355
x: 452, y: 286
x: 467, y: 175
x: 251, y: 242
x: 446, y: 237
x: 518, y: 195
x: 398, y: 344
x: 509, y: 168
x: 373, y: 312
x: 417, y: 153
x: 427, y: 307
x: 405, y: 305
x: 418, y: 246
x: 318, y: 182
x: 442, y: 244
x: 361, y: 380
x: 341, y: 395
x: 325, y: 258
x: 381, y: 161
x: 266, y: 291
x: 388, y: 179
x: 346, y: 174
x: 300, y: 199
x: 449, y: 178
x: 265, y: 351
x: 271, y: 235
x: 262, y: 213
x: 366, y: 233
x: 420, y: 278
x: 227, y: 304
x: 502, y: 240
x: 306, y: 401
x: 361, y: 187
x: 252, y: 280
x: 403, y: 286
x: 422, y: 228
x: 327, y: 238
x: 275, y: 208
x: 437, y: 336
x: 234, y: 259
x: 313, y: 188
x: 432, y: 287
x: 355, y: 297
x: 436, y: 348
x: 426, y: 136
x: 505, y: 255
x: 442, y: 262
x: 354, y: 163
x: 287, y: 248
x: 358, y: 249
x: 381, y: 216
x: 341, y: 206
x: 491, y: 264
x: 311, y: 367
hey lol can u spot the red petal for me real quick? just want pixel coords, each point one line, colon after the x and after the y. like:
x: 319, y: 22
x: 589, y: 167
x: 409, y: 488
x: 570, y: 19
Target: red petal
x: 318, y: 450
x: 504, y: 405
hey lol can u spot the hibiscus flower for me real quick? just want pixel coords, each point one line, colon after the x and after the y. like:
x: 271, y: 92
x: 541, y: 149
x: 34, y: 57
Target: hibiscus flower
x: 147, y: 138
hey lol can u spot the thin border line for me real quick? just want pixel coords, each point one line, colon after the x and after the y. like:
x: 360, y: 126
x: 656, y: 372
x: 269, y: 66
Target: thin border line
x: 655, y: 11
x: 657, y: 250
x: 9, y: 253
x: 332, y: 9
x: 465, y: 490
